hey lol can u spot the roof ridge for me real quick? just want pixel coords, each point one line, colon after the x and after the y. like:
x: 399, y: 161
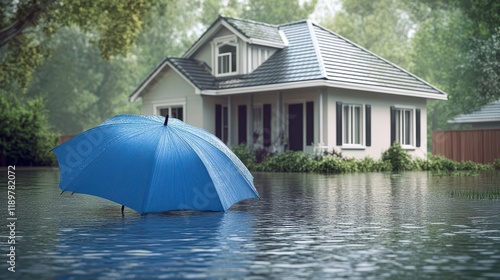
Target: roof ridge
x: 293, y: 22
x: 378, y: 57
x: 317, y: 50
x: 249, y: 21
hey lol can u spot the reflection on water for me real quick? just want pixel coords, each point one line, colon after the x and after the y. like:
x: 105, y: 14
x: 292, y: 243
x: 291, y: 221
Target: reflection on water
x: 376, y: 225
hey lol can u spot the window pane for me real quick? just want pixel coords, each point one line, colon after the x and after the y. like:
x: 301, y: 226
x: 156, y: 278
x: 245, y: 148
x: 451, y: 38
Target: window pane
x: 407, y: 127
x: 228, y: 55
x: 177, y: 113
x: 163, y: 112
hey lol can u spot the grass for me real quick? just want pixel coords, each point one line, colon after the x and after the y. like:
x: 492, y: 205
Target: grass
x: 455, y: 173
x: 493, y: 194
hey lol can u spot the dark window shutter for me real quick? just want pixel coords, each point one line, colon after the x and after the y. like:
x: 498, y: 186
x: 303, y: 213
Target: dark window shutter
x: 417, y: 127
x: 266, y: 126
x: 309, y: 123
x: 368, y: 125
x: 218, y: 121
x: 393, y: 125
x: 242, y: 124
x: 339, y: 123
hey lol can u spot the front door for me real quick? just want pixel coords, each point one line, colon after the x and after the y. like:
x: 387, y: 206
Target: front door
x: 295, y: 127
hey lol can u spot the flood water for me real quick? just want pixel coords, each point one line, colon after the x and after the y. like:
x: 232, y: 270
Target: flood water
x: 361, y: 226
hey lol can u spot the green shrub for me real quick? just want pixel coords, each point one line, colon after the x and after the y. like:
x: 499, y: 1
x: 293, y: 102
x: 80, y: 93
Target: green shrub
x: 25, y: 136
x: 290, y: 161
x: 333, y: 164
x: 400, y: 160
x: 246, y: 155
x: 440, y: 163
x: 496, y: 164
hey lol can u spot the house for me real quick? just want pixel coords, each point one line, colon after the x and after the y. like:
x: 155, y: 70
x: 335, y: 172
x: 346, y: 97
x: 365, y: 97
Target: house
x: 296, y: 86
x: 486, y: 117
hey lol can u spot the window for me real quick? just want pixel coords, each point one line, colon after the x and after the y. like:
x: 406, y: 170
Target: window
x: 226, y: 59
x: 352, y: 117
x: 404, y: 126
x: 354, y: 125
x: 172, y: 111
x: 225, y: 55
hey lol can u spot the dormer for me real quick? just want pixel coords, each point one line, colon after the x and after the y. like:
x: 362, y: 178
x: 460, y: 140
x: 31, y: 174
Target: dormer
x: 225, y: 56
x: 232, y: 47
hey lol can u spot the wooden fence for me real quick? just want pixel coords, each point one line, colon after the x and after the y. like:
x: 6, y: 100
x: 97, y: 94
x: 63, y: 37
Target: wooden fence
x: 481, y: 146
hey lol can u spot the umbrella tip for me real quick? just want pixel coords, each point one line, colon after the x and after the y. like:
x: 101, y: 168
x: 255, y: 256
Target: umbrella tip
x: 166, y: 120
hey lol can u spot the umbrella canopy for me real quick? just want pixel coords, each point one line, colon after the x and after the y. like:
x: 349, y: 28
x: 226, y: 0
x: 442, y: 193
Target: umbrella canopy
x: 154, y: 164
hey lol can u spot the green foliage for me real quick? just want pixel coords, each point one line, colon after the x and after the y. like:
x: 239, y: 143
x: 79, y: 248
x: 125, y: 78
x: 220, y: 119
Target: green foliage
x: 394, y: 159
x: 460, y: 173
x: 278, y: 11
x: 440, y: 163
x: 289, y: 161
x: 496, y: 163
x: 378, y: 26
x: 246, y: 155
x: 25, y: 138
x: 477, y: 194
x: 399, y: 159
x: 24, y: 25
x: 79, y: 88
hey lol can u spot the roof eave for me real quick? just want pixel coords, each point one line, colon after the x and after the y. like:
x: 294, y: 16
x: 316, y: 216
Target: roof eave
x: 323, y: 83
x: 473, y: 121
x: 139, y: 90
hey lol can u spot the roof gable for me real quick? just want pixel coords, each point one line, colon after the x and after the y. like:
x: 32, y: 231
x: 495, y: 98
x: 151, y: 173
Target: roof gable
x: 249, y: 31
x: 487, y: 113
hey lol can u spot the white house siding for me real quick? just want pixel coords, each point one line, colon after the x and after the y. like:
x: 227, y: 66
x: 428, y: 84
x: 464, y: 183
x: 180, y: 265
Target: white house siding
x: 380, y: 124
x: 174, y: 90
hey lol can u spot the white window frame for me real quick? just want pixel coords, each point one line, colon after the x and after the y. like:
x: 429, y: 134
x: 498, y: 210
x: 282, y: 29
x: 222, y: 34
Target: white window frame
x: 400, y: 124
x: 169, y: 106
x: 348, y: 138
x: 216, y: 44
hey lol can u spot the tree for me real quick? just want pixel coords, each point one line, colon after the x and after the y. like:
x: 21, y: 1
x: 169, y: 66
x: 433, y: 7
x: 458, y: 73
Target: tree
x: 25, y: 24
x: 24, y: 132
x: 80, y: 89
x: 382, y: 27
x: 277, y: 11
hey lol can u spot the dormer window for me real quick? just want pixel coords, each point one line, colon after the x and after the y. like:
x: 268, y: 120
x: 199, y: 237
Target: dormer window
x: 226, y: 56
x: 226, y: 59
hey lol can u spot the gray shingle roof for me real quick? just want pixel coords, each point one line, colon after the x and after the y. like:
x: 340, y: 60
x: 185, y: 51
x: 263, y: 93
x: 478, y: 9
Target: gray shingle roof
x: 312, y: 53
x: 256, y: 30
x: 198, y: 72
x: 347, y: 62
x: 297, y: 62
x: 488, y: 113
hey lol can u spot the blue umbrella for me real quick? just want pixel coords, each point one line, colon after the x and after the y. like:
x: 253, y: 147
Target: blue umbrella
x: 154, y: 164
